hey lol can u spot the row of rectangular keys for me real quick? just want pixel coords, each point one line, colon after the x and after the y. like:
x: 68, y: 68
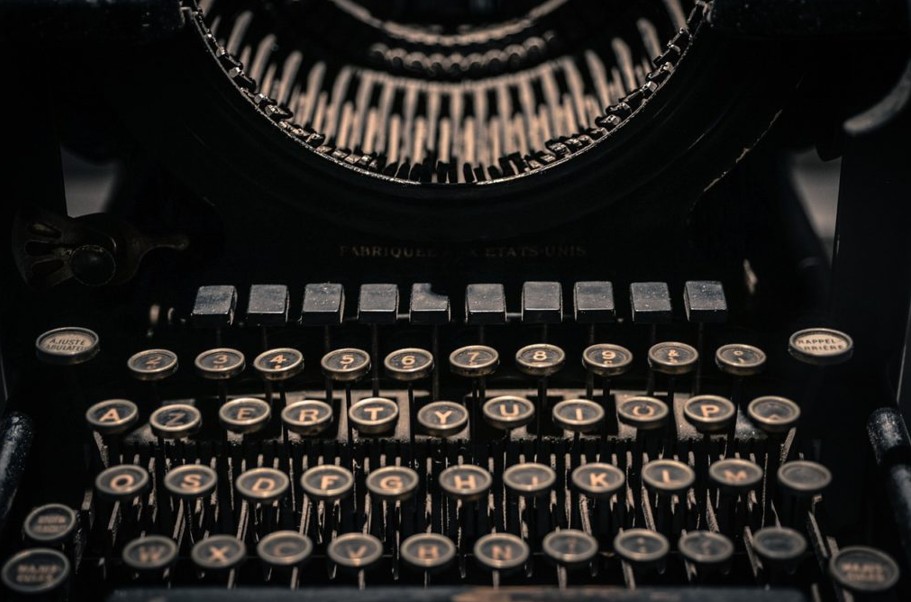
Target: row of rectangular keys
x: 485, y: 304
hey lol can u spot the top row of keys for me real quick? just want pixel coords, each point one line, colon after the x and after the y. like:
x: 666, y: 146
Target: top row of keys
x: 485, y: 304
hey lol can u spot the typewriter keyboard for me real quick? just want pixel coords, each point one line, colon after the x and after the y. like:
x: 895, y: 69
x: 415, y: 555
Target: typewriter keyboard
x: 628, y: 443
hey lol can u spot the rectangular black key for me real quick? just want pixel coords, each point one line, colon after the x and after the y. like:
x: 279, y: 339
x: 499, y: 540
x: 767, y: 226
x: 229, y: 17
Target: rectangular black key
x: 214, y: 306
x: 542, y: 303
x: 324, y: 304
x: 650, y: 302
x: 427, y: 307
x: 268, y: 305
x: 485, y: 304
x: 593, y: 302
x: 378, y: 304
x: 705, y: 301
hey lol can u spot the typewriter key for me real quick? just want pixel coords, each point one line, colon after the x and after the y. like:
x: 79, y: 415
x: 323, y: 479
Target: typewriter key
x: 262, y: 485
x: 443, y: 418
x: 644, y: 413
x: 540, y: 359
x: 36, y: 571
x: 346, y: 365
x: 864, y: 570
x: 374, y: 415
x: 667, y: 476
x: 50, y: 524
x: 641, y: 547
x: 327, y: 482
x: 598, y: 480
x: 508, y: 412
x: 500, y: 552
x: 112, y: 416
x: 218, y: 553
x: 735, y: 475
x: 465, y: 482
x: 67, y: 346
x: 570, y: 547
x: 190, y: 481
x: 706, y: 548
x: 220, y: 364
x: 779, y: 546
x: 152, y: 364
x: 474, y: 361
x: 307, y: 417
x: 607, y: 360
x: 355, y: 550
x: 279, y: 364
x: 393, y: 483
x: 284, y: 549
x: 428, y: 551
x: 150, y: 554
x: 123, y: 482
x: 803, y: 478
x: 578, y: 415
x: 409, y: 364
x: 710, y: 413
x: 821, y: 346
x: 672, y: 358
x: 529, y: 478
x: 175, y: 421
x: 244, y: 415
x: 774, y: 415
x: 740, y: 360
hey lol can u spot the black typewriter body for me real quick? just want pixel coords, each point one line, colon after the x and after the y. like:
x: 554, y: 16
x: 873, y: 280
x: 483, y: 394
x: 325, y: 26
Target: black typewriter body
x: 455, y: 301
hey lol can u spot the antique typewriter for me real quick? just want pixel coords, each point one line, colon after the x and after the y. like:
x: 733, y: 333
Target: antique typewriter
x: 468, y: 300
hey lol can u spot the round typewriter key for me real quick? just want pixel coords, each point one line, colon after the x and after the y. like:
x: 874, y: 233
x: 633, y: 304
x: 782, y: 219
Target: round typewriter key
x: 774, y: 414
x: 262, y: 485
x: 150, y: 553
x: 737, y: 359
x: 374, y: 415
x: 346, y: 365
x: 307, y: 417
x: 706, y: 548
x: 667, y: 476
x: 672, y: 358
x: 50, y: 524
x: 474, y: 361
x: 112, y: 416
x: 710, y: 413
x: 152, y: 364
x: 443, y: 418
x: 392, y: 483
x: 284, y: 549
x: 465, y: 482
x: 821, y: 346
x: 864, y: 570
x: 607, y: 360
x: 35, y: 571
x: 244, y: 415
x: 641, y: 547
x: 67, y: 346
x: 500, y: 552
x: 803, y: 478
x: 540, y: 359
x: 508, y: 412
x: 355, y: 550
x: 327, y: 482
x: 191, y: 481
x: 279, y: 364
x: 736, y: 475
x: 529, y: 478
x: 578, y: 415
x: 409, y: 364
x: 218, y: 553
x: 220, y: 364
x: 598, y: 480
x: 175, y: 421
x: 570, y: 547
x: 779, y: 545
x: 644, y: 413
x: 428, y: 551
x: 122, y: 482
